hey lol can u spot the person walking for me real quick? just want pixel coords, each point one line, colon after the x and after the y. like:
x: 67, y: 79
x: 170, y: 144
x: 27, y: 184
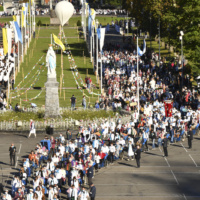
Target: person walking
x: 164, y: 143
x: 12, y: 151
x: 32, y: 128
x: 90, y: 173
x: 73, y: 102
x: 92, y: 191
x: 138, y: 156
x: 190, y: 138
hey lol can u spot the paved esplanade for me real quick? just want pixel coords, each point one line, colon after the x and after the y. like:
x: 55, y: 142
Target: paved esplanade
x: 173, y: 178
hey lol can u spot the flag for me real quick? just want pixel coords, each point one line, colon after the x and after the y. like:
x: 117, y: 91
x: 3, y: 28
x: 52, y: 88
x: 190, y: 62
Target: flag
x: 5, y: 41
x: 58, y: 42
x: 140, y: 52
x: 102, y: 31
x: 90, y: 25
x: 99, y: 33
x: 14, y: 18
x: 144, y: 47
x: 9, y: 36
x: 22, y: 17
x: 18, y: 35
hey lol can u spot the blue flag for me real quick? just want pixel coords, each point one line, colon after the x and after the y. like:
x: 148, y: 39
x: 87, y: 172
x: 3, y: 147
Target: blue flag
x: 18, y: 32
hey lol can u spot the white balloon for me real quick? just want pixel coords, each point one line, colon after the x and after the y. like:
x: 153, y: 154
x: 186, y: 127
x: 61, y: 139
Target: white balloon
x: 64, y: 11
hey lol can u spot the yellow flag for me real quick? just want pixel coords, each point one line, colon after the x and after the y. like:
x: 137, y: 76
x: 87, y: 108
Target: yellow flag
x: 14, y: 18
x: 5, y: 41
x: 58, y: 42
x: 22, y: 14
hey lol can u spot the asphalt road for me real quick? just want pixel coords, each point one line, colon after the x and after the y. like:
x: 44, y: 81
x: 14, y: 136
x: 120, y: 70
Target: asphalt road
x: 176, y: 177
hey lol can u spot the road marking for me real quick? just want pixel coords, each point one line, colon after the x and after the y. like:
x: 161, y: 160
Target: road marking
x: 193, y: 161
x: 175, y: 177
x: 132, y: 184
x: 153, y: 172
x: 184, y: 147
x: 16, y: 162
x: 184, y: 197
x: 167, y: 162
x: 20, y: 148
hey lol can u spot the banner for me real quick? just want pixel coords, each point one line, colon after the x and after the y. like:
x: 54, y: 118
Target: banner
x: 102, y: 30
x: 5, y: 41
x: 58, y: 42
x: 9, y: 38
x: 23, y: 18
x: 168, y: 108
x: 19, y: 35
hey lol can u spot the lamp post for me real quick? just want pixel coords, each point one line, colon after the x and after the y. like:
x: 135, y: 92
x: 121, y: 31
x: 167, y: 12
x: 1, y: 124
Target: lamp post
x: 181, y: 39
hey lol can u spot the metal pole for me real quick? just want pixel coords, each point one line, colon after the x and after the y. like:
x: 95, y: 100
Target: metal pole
x: 159, y: 40
x: 138, y: 81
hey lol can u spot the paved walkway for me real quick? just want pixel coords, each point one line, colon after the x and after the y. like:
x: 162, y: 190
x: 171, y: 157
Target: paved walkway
x: 176, y: 177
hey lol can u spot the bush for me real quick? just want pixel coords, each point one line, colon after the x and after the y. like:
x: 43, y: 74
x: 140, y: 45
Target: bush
x: 78, y: 23
x: 39, y: 23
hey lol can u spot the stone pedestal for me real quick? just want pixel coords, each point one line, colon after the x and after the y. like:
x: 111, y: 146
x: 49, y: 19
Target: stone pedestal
x: 52, y: 98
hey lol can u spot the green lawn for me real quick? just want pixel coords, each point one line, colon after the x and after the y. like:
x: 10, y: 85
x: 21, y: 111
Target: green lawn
x: 77, y: 47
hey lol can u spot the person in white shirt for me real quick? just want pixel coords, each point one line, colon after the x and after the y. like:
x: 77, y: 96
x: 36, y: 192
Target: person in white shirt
x: 7, y: 196
x: 84, y: 195
x: 51, y: 193
x: 105, y: 149
x: 52, y: 180
x: 30, y: 195
x: 62, y: 149
x: 72, y: 193
x: 112, y: 152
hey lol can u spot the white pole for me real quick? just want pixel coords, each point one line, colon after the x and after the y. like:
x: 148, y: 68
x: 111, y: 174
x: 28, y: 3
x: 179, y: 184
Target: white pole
x: 25, y: 37
x: 90, y: 47
x: 22, y: 43
x: 18, y: 55
x: 93, y: 44
x: 97, y: 54
x: 28, y: 29
x: 138, y: 82
x: 14, y: 61
x: 101, y: 74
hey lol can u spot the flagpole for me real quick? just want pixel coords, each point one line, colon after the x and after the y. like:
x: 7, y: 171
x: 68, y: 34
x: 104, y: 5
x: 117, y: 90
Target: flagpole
x: 14, y: 61
x: 101, y: 74
x: 138, y: 82
x: 97, y: 52
x: 90, y: 47
x: 93, y: 46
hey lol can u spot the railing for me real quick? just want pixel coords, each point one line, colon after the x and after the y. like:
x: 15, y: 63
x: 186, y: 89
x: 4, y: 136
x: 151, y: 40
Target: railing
x: 58, y: 124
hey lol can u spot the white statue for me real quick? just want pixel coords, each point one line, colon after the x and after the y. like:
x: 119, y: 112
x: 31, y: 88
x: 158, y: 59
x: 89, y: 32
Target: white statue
x: 51, y: 62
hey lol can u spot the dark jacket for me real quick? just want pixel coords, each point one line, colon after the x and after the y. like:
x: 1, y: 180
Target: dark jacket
x: 138, y: 154
x: 12, y: 150
x: 92, y: 191
x: 90, y: 172
x: 190, y: 135
x: 164, y: 142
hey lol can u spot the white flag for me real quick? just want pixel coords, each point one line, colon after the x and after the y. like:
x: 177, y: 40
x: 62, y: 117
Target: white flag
x: 102, y: 31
